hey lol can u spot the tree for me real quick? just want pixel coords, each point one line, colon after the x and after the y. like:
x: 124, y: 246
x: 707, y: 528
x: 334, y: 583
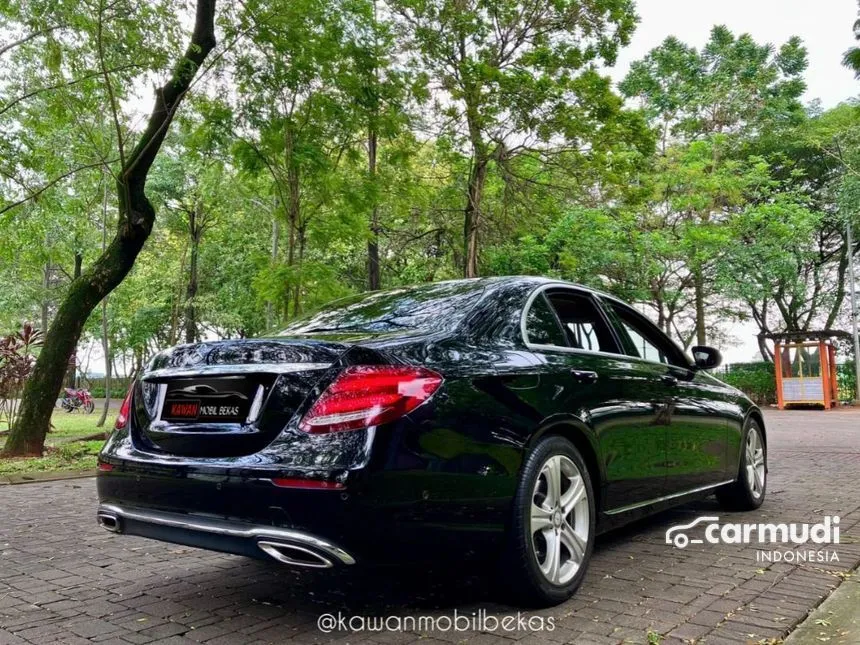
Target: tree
x: 135, y: 222
x: 732, y: 89
x: 381, y: 93
x: 517, y: 78
x: 294, y: 121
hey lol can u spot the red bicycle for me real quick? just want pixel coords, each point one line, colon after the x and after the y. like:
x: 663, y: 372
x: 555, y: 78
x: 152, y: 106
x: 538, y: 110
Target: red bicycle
x: 74, y: 400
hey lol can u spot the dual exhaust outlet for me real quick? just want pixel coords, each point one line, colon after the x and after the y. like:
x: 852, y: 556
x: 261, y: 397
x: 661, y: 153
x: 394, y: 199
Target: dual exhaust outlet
x: 286, y: 552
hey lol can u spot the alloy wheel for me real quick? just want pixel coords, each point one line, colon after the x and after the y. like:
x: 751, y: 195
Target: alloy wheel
x: 755, y: 463
x: 559, y: 523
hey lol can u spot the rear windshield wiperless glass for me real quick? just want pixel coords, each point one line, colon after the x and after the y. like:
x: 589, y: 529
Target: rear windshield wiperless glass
x: 435, y: 307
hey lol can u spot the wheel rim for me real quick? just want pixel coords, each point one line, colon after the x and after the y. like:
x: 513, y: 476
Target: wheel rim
x: 755, y: 463
x: 559, y: 523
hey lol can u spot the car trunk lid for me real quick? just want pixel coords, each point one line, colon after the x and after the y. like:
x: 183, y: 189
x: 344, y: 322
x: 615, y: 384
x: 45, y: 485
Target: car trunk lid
x: 226, y: 398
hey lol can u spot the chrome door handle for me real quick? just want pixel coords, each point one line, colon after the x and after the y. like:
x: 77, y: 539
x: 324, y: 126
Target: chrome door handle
x: 584, y: 376
x: 668, y: 379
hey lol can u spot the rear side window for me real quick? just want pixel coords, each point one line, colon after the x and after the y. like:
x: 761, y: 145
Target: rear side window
x: 584, y: 325
x: 542, y: 327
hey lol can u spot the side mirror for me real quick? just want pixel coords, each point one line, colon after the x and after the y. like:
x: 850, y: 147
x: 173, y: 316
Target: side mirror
x: 707, y: 358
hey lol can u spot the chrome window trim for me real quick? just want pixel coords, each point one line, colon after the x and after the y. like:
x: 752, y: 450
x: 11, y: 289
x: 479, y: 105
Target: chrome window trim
x: 575, y: 350
x: 233, y: 370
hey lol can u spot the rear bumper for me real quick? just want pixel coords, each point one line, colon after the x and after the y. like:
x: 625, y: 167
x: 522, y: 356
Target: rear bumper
x: 289, y: 546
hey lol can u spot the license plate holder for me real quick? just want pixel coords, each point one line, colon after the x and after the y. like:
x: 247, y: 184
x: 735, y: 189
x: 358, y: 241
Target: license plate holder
x: 216, y: 400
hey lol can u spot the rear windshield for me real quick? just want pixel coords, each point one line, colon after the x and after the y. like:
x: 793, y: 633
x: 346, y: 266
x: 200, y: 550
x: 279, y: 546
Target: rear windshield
x: 436, y: 307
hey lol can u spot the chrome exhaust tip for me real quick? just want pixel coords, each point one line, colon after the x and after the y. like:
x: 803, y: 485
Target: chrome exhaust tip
x: 108, y: 521
x: 295, y: 555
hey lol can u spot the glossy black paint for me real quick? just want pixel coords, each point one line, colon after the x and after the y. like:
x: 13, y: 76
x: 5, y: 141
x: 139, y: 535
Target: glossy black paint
x: 653, y: 434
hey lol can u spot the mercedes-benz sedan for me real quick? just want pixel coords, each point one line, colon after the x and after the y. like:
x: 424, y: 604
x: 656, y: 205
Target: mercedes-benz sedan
x: 517, y: 417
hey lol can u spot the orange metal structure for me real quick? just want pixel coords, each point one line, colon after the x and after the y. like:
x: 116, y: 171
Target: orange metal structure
x: 805, y: 368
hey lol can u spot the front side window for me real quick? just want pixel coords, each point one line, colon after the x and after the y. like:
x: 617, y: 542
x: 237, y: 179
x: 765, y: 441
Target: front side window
x: 645, y: 340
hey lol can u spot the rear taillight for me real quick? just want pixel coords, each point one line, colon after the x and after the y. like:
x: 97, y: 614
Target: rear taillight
x: 369, y: 395
x: 307, y: 484
x: 124, y: 410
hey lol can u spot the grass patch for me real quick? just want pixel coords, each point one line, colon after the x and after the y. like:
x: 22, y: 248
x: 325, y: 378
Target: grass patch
x: 79, y: 455
x: 63, y: 450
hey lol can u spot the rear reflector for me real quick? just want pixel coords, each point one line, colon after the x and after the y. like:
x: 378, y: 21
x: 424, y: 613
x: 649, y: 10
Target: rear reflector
x: 370, y: 395
x: 314, y: 484
x: 105, y: 468
x: 124, y: 410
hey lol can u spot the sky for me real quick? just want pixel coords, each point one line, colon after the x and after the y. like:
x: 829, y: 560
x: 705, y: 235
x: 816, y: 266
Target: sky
x: 826, y: 27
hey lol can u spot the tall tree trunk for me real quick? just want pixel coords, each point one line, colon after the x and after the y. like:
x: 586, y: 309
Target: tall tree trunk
x: 839, y: 298
x: 276, y: 235
x: 46, y: 305
x: 134, y: 224
x: 108, y: 372
x: 176, y: 301
x: 105, y: 341
x: 699, y: 288
x: 297, y: 291
x: 764, y: 350
x: 373, y: 278
x: 191, y: 290
x: 293, y: 210
x: 472, y: 216
x: 72, y: 368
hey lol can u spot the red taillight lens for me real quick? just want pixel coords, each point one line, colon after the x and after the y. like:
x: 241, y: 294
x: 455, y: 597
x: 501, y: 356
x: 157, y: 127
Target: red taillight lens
x: 124, y: 410
x: 369, y: 395
x: 307, y: 484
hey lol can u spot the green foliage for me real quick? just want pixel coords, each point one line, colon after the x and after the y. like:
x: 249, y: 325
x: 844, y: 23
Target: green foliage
x: 756, y: 380
x: 325, y: 127
x: 847, y: 378
x: 17, y: 358
x: 731, y: 85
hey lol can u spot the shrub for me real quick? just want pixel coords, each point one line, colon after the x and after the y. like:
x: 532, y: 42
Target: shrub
x: 847, y: 381
x: 16, y: 364
x: 756, y: 380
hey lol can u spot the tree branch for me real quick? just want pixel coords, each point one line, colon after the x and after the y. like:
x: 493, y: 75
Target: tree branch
x: 51, y: 183
x: 27, y: 38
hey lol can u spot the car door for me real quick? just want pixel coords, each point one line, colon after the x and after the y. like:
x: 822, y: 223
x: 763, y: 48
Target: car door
x: 586, y: 374
x: 695, y: 420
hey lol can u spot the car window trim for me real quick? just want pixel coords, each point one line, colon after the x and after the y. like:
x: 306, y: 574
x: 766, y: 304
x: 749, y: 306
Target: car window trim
x: 580, y: 291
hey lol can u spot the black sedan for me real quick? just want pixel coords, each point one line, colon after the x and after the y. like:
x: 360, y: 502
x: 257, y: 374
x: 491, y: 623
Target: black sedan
x: 513, y: 416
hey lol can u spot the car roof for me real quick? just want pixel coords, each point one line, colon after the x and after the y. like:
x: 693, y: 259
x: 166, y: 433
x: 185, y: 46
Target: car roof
x: 537, y: 281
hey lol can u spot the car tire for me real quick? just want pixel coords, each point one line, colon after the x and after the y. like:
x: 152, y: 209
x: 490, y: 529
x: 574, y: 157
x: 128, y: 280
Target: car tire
x: 748, y: 491
x: 552, y: 527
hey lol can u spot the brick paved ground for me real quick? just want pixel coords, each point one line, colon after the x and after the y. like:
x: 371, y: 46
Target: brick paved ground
x: 63, y: 580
